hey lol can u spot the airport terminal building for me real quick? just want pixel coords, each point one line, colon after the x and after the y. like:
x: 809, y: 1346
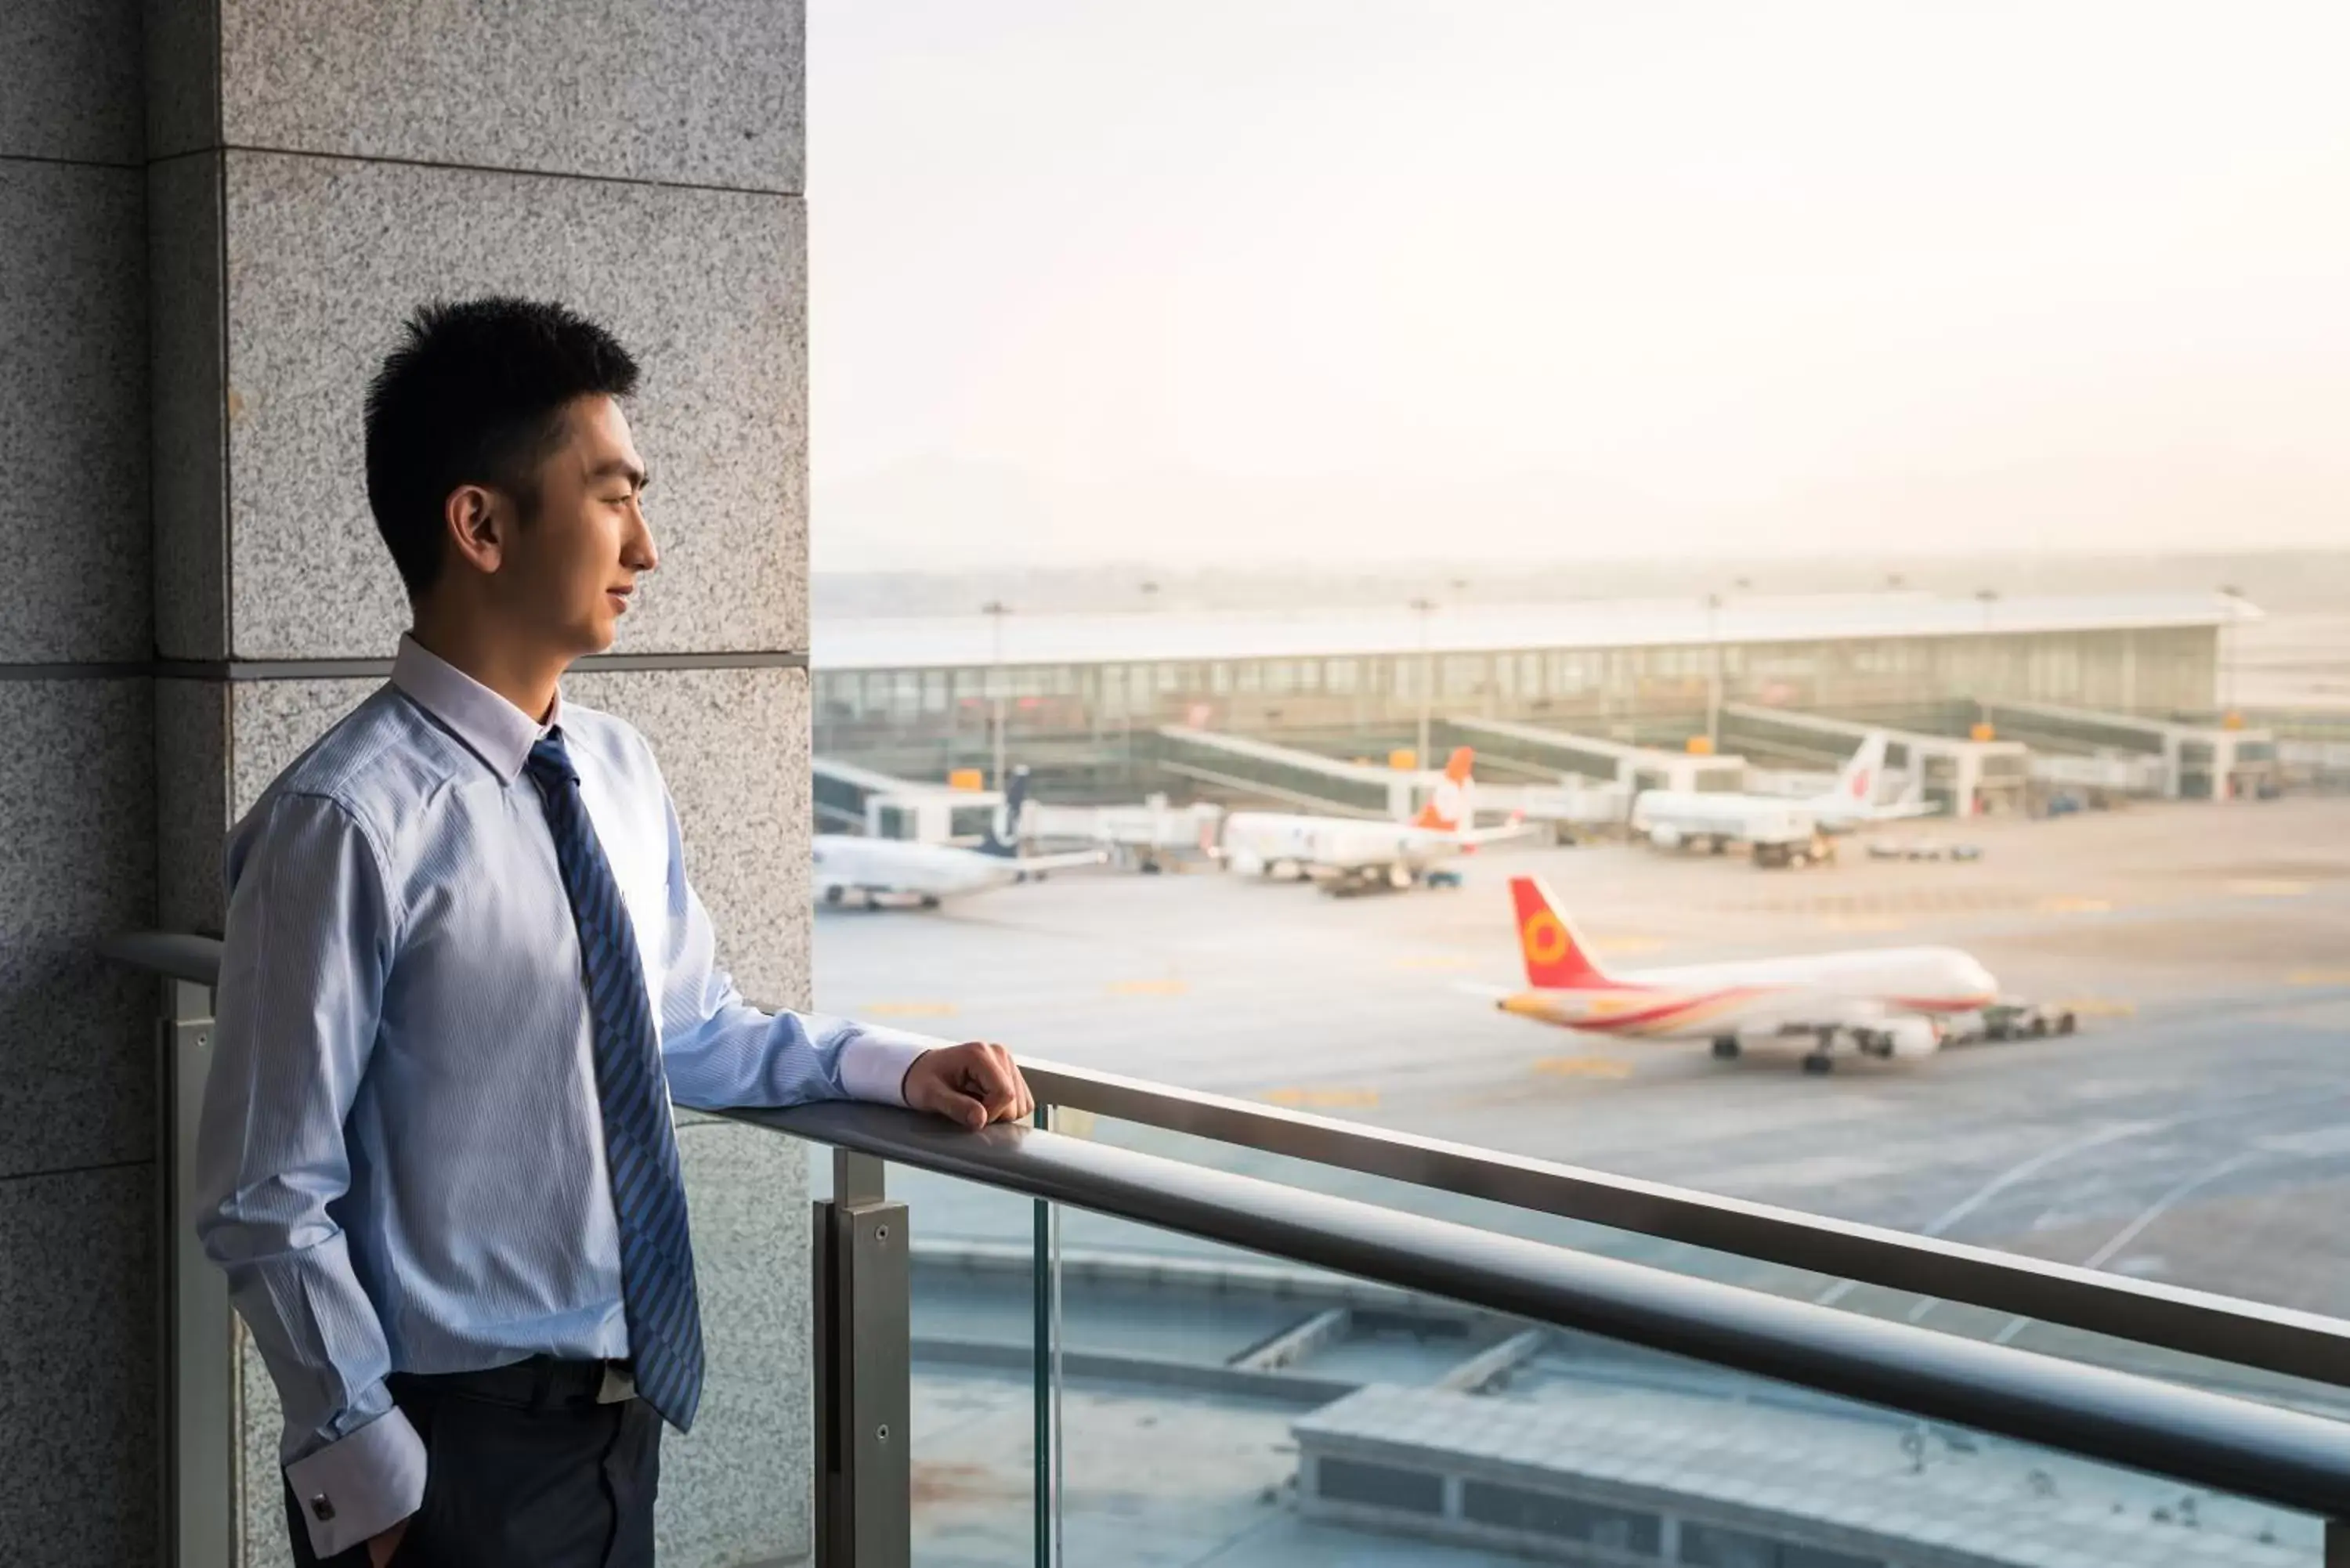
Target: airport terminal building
x: 1082, y: 696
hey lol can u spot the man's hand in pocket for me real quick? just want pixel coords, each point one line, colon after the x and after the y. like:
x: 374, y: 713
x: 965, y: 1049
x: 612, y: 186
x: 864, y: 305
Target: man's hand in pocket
x: 381, y: 1547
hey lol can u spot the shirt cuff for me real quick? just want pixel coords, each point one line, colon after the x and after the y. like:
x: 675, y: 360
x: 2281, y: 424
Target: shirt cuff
x: 357, y: 1488
x: 873, y: 1064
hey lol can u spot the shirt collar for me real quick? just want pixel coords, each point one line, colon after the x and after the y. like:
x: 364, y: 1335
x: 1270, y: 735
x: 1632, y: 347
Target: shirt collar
x: 500, y: 733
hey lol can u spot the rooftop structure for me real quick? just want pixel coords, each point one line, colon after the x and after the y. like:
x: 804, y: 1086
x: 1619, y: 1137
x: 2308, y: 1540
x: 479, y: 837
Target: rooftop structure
x: 972, y: 641
x: 1080, y: 697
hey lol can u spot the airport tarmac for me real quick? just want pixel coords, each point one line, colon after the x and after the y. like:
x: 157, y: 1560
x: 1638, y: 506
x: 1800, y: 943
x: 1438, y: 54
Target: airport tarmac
x: 2194, y: 1132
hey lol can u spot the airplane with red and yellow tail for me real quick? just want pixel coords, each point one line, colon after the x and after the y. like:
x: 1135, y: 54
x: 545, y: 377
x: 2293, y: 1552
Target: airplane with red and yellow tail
x: 1878, y: 1001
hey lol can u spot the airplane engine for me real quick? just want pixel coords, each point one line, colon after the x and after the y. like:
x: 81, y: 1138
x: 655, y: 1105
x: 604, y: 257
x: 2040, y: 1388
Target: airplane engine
x: 1665, y: 838
x: 1246, y: 862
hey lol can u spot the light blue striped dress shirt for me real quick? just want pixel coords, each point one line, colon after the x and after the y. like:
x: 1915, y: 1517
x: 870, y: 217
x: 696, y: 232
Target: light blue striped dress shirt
x: 401, y: 1162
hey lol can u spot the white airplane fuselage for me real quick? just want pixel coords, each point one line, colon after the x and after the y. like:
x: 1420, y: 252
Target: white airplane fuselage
x: 849, y: 863
x: 1673, y: 817
x: 1257, y: 843
x: 1858, y: 988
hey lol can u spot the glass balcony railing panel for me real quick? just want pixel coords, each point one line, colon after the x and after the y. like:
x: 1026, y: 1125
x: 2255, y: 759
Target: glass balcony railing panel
x: 2209, y: 1367
x: 1217, y: 1406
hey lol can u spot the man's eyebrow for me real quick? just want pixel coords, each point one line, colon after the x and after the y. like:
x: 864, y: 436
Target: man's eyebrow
x: 621, y: 467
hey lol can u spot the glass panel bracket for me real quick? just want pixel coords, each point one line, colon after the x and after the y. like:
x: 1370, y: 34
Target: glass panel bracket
x: 860, y: 1294
x: 199, y: 1330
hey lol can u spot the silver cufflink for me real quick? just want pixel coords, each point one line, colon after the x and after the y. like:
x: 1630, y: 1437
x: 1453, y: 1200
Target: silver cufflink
x: 320, y: 1509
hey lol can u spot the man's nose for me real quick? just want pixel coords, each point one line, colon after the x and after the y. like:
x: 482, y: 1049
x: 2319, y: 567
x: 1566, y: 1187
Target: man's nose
x: 641, y: 554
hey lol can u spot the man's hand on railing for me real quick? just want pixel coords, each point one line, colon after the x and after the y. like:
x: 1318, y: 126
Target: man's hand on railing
x: 972, y: 1085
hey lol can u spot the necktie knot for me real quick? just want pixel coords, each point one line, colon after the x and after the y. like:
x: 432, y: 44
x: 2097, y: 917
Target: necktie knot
x: 549, y: 763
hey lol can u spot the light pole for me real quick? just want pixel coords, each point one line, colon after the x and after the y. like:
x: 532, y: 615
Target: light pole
x: 1713, y: 677
x: 1424, y: 607
x: 2228, y: 640
x: 1985, y: 597
x: 995, y: 610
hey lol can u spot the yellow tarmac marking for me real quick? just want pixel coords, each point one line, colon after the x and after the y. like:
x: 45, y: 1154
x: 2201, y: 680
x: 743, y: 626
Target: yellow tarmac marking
x: 2076, y: 905
x: 1581, y: 1067
x: 2318, y: 977
x: 1323, y: 1099
x: 2099, y: 1007
x: 908, y: 1010
x: 1148, y: 987
x: 2264, y: 888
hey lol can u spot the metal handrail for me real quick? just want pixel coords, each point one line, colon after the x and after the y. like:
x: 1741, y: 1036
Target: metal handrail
x: 2142, y: 1312
x: 2255, y: 1450
x: 174, y: 955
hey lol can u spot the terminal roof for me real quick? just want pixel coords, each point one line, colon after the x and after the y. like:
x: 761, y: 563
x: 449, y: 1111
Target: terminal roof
x: 1146, y: 637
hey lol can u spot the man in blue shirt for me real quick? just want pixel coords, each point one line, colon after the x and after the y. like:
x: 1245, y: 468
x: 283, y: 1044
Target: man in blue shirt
x: 464, y: 978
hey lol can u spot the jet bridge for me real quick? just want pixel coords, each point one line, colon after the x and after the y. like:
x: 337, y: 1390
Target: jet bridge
x: 2199, y: 761
x: 852, y: 799
x: 1637, y: 768
x: 1238, y: 768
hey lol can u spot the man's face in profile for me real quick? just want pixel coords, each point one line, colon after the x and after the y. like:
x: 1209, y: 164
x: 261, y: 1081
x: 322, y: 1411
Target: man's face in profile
x: 572, y: 566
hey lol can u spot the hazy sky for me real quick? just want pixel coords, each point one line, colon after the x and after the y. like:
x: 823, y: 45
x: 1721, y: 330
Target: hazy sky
x: 1133, y: 278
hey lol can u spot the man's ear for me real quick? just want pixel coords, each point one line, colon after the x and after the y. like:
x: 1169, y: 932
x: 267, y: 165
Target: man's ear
x: 479, y: 522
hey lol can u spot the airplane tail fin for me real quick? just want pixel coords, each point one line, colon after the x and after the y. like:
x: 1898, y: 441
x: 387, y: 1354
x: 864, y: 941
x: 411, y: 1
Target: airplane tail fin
x: 1857, y: 781
x: 1448, y: 809
x: 1006, y: 842
x: 1556, y: 958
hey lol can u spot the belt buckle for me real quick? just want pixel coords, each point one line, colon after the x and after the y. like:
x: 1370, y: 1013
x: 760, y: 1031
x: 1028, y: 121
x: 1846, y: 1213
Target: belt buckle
x: 619, y: 1387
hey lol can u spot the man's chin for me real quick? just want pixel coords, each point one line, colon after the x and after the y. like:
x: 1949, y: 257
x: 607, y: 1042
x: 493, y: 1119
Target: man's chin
x: 595, y: 636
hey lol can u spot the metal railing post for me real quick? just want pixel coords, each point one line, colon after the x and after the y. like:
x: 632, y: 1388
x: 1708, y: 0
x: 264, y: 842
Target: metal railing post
x: 1046, y: 1372
x: 864, y: 1476
x: 198, y: 1328
x: 2337, y: 1543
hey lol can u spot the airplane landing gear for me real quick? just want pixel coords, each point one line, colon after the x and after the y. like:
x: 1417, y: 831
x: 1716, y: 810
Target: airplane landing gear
x: 1823, y: 1058
x: 1726, y: 1048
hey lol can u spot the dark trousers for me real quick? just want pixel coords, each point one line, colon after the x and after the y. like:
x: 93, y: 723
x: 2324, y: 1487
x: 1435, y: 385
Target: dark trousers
x: 524, y: 1470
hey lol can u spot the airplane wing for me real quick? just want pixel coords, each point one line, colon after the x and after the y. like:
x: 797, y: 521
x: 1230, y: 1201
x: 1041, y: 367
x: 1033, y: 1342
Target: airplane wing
x: 1070, y: 861
x: 1902, y: 811
x: 1476, y: 836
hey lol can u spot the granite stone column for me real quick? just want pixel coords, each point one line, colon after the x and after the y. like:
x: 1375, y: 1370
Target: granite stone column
x: 77, y: 1181
x: 320, y: 167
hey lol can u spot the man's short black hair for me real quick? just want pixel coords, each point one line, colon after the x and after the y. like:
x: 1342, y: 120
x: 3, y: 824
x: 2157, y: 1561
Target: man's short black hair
x: 474, y: 394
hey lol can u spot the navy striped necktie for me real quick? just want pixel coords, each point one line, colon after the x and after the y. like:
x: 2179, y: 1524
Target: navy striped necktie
x: 657, y: 1288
